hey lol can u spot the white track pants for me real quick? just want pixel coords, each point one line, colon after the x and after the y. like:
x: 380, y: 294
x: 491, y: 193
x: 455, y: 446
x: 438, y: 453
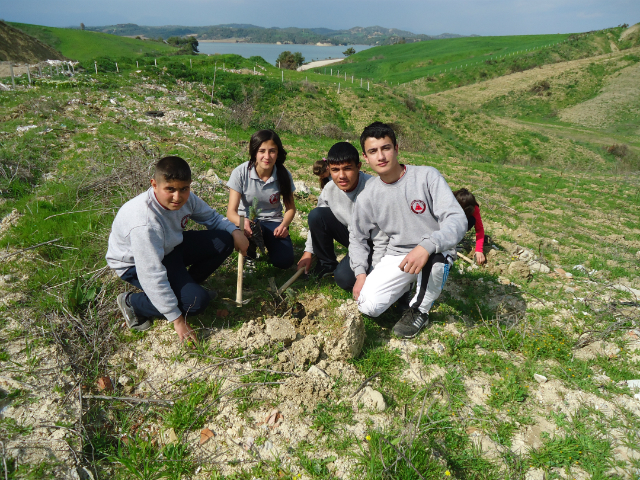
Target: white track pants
x: 387, y: 283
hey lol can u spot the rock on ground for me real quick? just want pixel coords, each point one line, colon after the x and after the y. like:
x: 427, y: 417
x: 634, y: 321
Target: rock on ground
x: 280, y: 330
x: 302, y: 352
x: 307, y: 389
x: 349, y: 344
x: 519, y: 269
x: 372, y: 399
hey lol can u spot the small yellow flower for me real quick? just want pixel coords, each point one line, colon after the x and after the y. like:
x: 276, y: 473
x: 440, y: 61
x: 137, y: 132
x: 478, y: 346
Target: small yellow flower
x: 368, y: 437
x: 447, y: 473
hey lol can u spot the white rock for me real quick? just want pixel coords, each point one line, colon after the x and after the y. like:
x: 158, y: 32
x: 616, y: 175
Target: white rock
x: 113, y: 101
x: 633, y: 384
x: 124, y: 380
x: 372, y: 399
x: 601, y: 379
x: 4, y: 88
x: 538, y: 267
x: 315, y: 370
x: 534, y: 474
x: 302, y: 187
x: 539, y: 378
x: 26, y: 128
x: 526, y: 255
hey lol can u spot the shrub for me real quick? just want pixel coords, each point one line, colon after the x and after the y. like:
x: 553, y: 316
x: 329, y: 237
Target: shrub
x: 619, y: 151
x: 540, y: 87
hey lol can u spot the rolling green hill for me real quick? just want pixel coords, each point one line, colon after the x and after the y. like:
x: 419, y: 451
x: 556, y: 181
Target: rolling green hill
x: 83, y: 45
x: 405, y: 62
x: 16, y: 46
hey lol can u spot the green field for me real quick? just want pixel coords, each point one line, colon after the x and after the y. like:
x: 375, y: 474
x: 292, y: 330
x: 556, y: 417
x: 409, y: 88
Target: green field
x: 403, y: 63
x: 84, y: 45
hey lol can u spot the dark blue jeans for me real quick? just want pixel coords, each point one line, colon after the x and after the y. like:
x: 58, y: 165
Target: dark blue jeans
x: 204, y: 252
x: 280, y: 249
x: 324, y: 228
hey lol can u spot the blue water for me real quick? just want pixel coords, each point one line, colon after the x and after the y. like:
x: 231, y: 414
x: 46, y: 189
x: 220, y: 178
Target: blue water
x: 270, y: 51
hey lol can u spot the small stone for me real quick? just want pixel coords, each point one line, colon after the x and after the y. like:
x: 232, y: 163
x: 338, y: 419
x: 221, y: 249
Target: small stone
x: 539, y: 267
x: 315, y: 370
x: 539, y: 378
x: 113, y: 101
x: 638, y: 254
x: 205, y: 435
x: 302, y: 187
x: 170, y: 436
x: 306, y: 351
x: 633, y: 384
x: 519, y: 269
x: 535, y: 474
x: 124, y: 380
x: 182, y: 99
x: 504, y: 280
x: 84, y: 474
x: 601, y: 380
x: 268, y: 445
x: 104, y: 384
x: 526, y: 255
x: 569, y: 290
x: 150, y: 99
x: 372, y: 399
x: 9, y: 278
x: 281, y: 330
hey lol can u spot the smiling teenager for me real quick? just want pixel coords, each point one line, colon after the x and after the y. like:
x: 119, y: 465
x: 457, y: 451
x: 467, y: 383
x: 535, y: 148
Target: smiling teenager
x: 330, y: 220
x: 149, y: 249
x: 415, y: 208
x: 265, y: 177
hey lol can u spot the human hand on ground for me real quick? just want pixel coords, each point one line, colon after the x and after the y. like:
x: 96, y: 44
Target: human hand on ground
x: 247, y: 228
x: 281, y: 231
x: 357, y: 287
x: 184, y: 331
x: 415, y: 260
x: 240, y: 242
x: 480, y: 258
x: 305, y: 262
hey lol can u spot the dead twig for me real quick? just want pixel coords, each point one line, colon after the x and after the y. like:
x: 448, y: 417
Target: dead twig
x: 30, y: 248
x: 364, y: 384
x: 156, y: 401
x: 404, y: 457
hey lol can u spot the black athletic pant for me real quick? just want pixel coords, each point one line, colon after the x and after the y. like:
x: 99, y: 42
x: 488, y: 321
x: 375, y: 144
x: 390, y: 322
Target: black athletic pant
x: 204, y: 251
x: 324, y: 228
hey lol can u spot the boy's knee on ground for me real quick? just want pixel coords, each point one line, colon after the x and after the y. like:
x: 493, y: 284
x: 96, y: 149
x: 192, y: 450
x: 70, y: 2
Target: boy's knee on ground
x: 195, y: 300
x: 344, y: 277
x: 371, y: 308
x: 283, y: 262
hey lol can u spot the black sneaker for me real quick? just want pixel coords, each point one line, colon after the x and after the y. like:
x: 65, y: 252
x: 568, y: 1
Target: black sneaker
x: 411, y: 322
x: 134, y: 322
x: 322, y: 271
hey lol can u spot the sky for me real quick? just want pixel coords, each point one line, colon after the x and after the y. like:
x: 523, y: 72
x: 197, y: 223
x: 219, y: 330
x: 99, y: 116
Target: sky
x: 432, y: 17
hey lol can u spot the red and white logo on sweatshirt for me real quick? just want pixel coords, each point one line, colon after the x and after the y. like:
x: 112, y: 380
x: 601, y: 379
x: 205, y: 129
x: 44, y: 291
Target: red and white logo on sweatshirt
x: 418, y: 207
x: 275, y: 198
x: 184, y: 221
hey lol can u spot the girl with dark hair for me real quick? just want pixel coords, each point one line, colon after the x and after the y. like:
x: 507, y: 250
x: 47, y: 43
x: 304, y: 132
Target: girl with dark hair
x: 265, y: 178
x: 321, y: 170
x: 471, y: 209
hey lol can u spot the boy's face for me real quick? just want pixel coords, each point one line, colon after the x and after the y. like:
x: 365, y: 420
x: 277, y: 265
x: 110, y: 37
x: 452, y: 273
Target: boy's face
x: 380, y: 154
x: 345, y: 175
x: 172, y: 194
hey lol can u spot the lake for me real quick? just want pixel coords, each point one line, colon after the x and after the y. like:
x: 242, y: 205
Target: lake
x: 271, y: 51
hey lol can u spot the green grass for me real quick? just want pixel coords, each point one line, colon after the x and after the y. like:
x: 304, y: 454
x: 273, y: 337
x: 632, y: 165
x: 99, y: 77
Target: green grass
x: 84, y: 45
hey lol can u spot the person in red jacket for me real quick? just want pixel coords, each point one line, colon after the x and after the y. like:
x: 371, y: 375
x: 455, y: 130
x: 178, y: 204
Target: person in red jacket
x: 471, y: 209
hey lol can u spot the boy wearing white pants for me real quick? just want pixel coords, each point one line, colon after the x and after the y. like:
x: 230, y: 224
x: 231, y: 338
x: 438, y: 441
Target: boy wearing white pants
x: 416, y: 209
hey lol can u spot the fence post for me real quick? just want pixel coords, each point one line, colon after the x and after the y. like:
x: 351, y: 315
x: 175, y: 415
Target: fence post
x: 95, y: 64
x: 213, y: 87
x: 360, y: 82
x: 367, y: 86
x: 117, y: 69
x: 57, y: 69
x: 13, y: 81
x: 190, y: 64
x: 351, y: 78
x: 254, y: 70
x: 139, y: 67
x: 345, y: 76
x: 155, y: 62
x: 28, y: 74
x: 332, y: 72
x: 282, y: 76
x: 39, y: 71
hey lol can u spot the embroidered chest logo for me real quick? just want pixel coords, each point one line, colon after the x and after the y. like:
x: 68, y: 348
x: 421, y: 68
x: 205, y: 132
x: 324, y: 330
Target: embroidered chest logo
x: 275, y: 198
x: 418, y: 207
x: 185, y: 220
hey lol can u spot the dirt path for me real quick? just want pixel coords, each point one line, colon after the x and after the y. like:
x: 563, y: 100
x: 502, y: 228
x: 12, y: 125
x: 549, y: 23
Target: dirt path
x: 319, y: 63
x: 480, y: 93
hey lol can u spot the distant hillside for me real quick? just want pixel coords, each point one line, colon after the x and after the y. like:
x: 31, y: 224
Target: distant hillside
x: 83, y: 45
x: 375, y: 35
x: 17, y: 46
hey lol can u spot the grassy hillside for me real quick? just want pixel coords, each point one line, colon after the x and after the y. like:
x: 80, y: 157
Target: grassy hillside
x: 552, y: 156
x: 475, y: 57
x: 16, y: 46
x: 83, y: 45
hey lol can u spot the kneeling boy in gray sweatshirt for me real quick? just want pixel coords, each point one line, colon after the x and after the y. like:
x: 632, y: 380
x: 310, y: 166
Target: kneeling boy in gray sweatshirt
x: 416, y: 209
x: 149, y: 249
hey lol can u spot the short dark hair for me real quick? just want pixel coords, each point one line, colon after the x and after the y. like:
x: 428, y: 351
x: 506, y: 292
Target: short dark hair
x: 172, y: 168
x: 466, y: 200
x: 377, y: 130
x: 343, y: 152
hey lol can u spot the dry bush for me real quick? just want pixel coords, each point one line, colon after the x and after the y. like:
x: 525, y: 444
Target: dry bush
x: 541, y: 88
x: 411, y: 102
x: 333, y: 131
x: 617, y: 150
x: 409, y: 139
x: 241, y: 113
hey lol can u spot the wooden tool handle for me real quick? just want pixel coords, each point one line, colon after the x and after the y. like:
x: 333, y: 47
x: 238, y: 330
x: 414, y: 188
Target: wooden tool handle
x: 240, y: 267
x: 291, y: 280
x: 465, y: 258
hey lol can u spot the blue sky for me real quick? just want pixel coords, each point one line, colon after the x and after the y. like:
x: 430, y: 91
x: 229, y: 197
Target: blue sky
x: 482, y: 17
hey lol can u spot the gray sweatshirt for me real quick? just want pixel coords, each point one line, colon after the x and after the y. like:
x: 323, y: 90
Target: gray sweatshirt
x: 418, y: 209
x: 144, y: 232
x: 341, y: 204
